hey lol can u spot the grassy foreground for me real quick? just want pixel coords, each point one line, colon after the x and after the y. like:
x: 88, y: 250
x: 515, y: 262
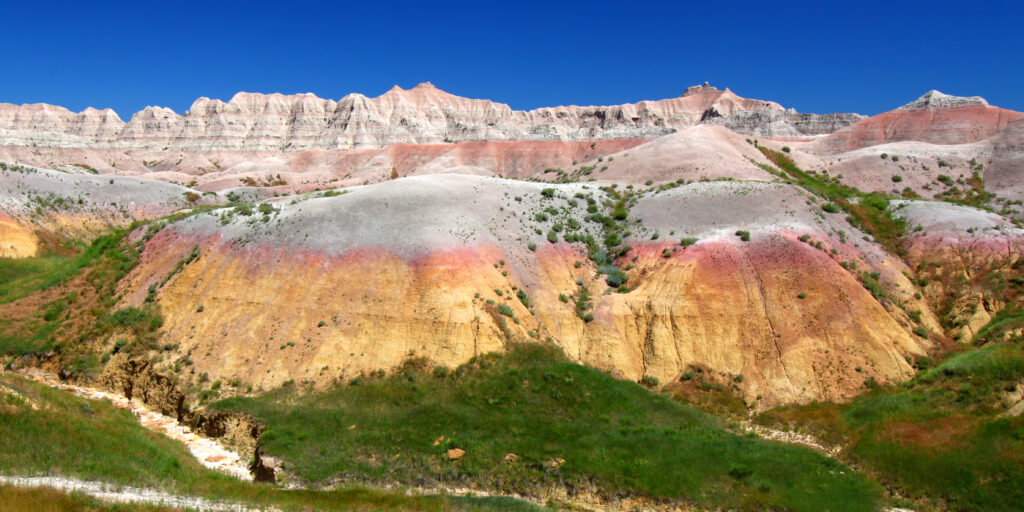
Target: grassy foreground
x: 530, y: 419
x: 940, y: 438
x: 46, y: 431
x: 16, y: 499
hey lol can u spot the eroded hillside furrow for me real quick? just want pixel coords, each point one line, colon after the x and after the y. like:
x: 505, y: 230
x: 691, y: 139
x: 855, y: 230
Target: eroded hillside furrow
x: 146, y: 408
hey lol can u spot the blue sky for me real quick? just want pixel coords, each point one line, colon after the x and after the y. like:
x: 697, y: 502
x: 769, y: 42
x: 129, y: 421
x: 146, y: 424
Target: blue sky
x: 862, y: 56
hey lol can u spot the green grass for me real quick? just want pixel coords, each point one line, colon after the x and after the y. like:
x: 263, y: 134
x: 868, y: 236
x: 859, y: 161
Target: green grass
x: 21, y: 277
x: 94, y: 440
x: 867, y: 211
x: 103, y: 263
x: 613, y: 436
x: 939, y: 437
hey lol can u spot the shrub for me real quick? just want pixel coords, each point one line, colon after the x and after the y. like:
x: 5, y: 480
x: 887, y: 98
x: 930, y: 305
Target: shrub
x: 785, y: 149
x: 946, y: 180
x: 541, y: 217
x: 552, y: 236
x: 616, y: 277
x: 687, y: 241
x: 744, y: 235
x: 649, y: 182
x: 915, y: 315
x: 504, y: 309
x: 531, y: 246
x: 548, y: 192
x: 801, y: 295
x: 896, y: 178
x: 649, y: 381
x: 830, y: 207
x: 525, y: 299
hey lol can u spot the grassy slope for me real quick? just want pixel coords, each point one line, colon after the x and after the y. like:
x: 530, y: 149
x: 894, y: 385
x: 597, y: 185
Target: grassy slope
x: 93, y: 440
x: 612, y: 435
x: 938, y: 438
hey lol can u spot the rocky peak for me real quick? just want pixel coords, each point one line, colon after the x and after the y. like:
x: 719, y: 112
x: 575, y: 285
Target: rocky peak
x: 935, y: 100
x: 422, y: 115
x: 698, y: 89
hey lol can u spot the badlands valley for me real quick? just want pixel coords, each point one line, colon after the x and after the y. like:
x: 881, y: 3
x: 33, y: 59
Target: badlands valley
x: 420, y: 301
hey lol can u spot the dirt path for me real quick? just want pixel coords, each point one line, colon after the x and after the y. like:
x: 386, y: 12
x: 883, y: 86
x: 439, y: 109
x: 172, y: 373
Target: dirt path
x: 207, y: 451
x: 122, y: 494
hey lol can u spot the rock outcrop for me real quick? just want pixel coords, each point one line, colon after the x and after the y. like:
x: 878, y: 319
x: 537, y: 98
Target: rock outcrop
x: 422, y: 115
x: 967, y: 262
x: 434, y: 264
x: 136, y: 379
x: 936, y: 100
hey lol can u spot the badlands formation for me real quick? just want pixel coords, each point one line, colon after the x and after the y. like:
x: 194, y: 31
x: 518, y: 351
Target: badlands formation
x: 329, y: 239
x: 422, y: 115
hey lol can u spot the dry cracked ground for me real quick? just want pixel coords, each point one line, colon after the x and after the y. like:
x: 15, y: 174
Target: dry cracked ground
x: 393, y: 302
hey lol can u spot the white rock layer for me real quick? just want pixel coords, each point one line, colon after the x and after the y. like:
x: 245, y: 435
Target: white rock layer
x: 424, y: 114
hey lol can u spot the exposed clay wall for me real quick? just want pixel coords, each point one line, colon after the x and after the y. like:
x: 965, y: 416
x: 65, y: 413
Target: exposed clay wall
x: 268, y: 315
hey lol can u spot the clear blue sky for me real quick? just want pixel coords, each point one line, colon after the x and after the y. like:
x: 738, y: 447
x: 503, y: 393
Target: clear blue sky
x: 862, y: 56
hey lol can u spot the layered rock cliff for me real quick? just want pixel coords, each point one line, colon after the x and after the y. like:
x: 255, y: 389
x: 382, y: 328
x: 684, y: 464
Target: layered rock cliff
x: 447, y: 267
x: 422, y: 115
